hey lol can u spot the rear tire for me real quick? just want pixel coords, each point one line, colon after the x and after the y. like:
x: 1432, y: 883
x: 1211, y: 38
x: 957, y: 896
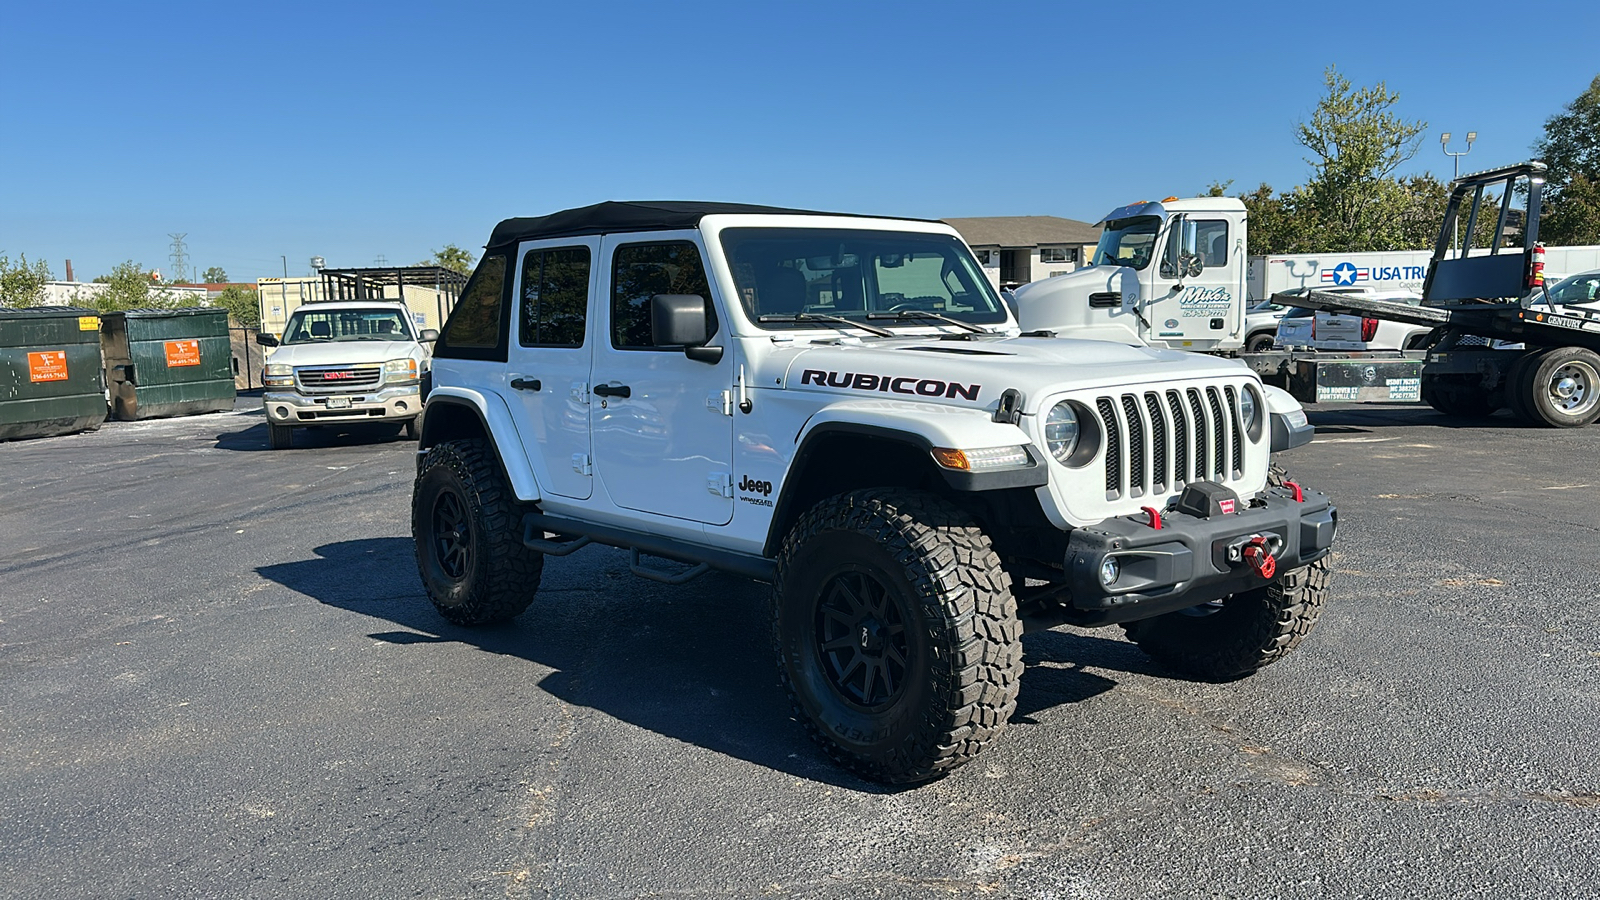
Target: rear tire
x: 1244, y: 633
x: 1563, y: 387
x: 468, y: 535
x: 1457, y: 395
x: 1259, y: 342
x: 897, y: 635
x: 280, y: 437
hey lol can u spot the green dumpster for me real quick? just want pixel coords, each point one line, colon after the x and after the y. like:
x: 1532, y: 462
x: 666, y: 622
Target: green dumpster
x: 167, y: 362
x: 50, y: 380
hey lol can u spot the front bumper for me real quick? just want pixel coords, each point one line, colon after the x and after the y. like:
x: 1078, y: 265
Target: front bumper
x: 1186, y: 561
x: 291, y: 408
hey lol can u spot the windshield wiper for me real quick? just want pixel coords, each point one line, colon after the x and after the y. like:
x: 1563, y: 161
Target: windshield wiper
x: 826, y: 317
x: 905, y: 314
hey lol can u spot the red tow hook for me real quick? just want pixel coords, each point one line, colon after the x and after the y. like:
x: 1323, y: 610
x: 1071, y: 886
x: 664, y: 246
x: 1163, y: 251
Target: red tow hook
x: 1299, y: 495
x: 1259, y: 558
x: 1155, y: 516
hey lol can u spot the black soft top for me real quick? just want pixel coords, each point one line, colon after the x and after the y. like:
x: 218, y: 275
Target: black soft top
x: 632, y: 215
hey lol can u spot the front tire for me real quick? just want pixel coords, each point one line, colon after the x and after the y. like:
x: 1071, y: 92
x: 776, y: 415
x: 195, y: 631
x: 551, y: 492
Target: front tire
x: 1260, y: 342
x: 280, y: 437
x: 468, y: 537
x: 897, y: 635
x: 1244, y: 633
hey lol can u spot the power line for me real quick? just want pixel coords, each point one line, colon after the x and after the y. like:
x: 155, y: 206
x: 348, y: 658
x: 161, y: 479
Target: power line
x: 179, y: 257
x: 381, y: 260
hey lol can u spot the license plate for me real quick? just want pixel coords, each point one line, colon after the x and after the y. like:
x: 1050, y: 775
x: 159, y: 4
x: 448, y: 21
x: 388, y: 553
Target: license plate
x: 338, y: 402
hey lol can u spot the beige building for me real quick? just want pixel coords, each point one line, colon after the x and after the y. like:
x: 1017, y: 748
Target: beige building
x: 1018, y: 249
x: 430, y: 292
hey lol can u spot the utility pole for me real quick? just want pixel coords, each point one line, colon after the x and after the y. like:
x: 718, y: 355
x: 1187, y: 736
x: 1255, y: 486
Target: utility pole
x: 180, y: 258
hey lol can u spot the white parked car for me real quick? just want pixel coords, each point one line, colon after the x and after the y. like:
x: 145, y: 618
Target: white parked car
x: 1323, y: 330
x: 343, y: 362
x: 844, y: 407
x: 1261, y: 325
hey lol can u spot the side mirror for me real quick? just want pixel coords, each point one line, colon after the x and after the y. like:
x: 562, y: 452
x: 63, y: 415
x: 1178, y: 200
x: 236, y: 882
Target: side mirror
x: 428, y: 336
x: 266, y: 340
x: 683, y: 320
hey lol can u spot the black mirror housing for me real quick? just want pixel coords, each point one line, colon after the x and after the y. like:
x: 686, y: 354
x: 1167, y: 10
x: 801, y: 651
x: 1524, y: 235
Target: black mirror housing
x: 679, y: 320
x: 266, y: 340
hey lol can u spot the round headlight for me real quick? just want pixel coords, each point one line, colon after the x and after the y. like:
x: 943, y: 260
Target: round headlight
x: 1061, y: 431
x: 1250, y: 409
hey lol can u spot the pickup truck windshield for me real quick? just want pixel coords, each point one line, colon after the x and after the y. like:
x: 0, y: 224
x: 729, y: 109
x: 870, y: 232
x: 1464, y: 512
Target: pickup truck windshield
x: 805, y: 277
x: 1127, y: 242
x: 313, y: 326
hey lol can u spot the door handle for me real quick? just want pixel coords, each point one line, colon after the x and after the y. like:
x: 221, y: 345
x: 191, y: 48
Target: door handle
x: 525, y: 384
x: 607, y: 390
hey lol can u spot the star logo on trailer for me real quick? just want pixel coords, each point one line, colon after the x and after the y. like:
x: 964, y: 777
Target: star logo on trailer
x: 1344, y: 273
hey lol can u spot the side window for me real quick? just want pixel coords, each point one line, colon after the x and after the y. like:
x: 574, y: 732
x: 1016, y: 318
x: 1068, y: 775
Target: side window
x: 1211, y: 242
x: 555, y: 297
x: 476, y: 329
x: 639, y: 272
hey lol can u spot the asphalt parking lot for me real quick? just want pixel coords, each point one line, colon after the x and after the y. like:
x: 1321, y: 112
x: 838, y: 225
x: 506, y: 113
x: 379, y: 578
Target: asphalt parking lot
x: 221, y: 678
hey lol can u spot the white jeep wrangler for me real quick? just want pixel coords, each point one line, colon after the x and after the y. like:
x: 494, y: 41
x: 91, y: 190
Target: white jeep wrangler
x: 842, y: 406
x: 344, y: 362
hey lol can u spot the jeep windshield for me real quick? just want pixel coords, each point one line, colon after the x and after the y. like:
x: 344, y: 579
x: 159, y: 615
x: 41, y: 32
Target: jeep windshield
x: 315, y: 326
x: 1127, y: 242
x: 809, y: 277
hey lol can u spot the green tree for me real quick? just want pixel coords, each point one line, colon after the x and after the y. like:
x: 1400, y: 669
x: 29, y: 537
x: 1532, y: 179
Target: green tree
x: 1357, y: 142
x: 1571, y: 148
x: 215, y: 275
x: 132, y: 286
x: 452, y: 257
x: 242, y: 304
x: 21, y: 282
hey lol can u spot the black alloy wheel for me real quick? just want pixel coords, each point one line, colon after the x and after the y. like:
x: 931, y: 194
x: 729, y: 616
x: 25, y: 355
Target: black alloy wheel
x: 452, y: 535
x: 861, y: 638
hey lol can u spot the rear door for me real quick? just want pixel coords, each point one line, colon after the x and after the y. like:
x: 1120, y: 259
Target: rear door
x: 549, y: 359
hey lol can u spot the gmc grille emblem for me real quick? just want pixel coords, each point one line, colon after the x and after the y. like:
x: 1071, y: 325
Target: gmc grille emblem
x: 332, y: 376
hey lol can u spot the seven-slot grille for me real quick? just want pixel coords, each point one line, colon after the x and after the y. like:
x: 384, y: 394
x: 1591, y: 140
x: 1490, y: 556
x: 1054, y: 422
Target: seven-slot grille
x: 1157, y: 441
x: 339, y: 377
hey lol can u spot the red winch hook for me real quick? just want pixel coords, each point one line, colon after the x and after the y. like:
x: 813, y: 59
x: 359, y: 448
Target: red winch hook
x: 1259, y: 558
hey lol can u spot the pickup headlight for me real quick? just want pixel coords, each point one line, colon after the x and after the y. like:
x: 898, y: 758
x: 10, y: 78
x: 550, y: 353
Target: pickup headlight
x: 277, y: 375
x: 1061, y: 431
x: 400, y: 370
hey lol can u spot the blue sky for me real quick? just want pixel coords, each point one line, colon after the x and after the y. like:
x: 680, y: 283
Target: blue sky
x: 353, y: 131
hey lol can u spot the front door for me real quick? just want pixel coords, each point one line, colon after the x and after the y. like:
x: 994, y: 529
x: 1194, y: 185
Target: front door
x: 663, y: 426
x: 1198, y: 310
x: 549, y: 357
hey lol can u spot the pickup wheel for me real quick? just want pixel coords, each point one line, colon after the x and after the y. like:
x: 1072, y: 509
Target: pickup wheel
x: 1244, y: 633
x: 897, y: 635
x: 1260, y: 342
x: 280, y: 437
x: 469, y: 538
x: 1563, y: 387
x: 409, y: 429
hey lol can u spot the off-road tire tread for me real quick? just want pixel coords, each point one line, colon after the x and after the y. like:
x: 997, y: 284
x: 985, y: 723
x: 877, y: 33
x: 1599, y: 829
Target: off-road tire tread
x: 512, y: 568
x: 1291, y: 606
x: 953, y: 567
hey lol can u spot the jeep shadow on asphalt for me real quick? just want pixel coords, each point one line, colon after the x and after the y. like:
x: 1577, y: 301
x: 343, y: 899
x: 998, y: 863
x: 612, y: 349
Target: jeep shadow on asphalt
x: 693, y: 662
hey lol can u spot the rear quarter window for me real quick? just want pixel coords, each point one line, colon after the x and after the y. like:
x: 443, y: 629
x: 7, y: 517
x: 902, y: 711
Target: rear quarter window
x: 477, y: 327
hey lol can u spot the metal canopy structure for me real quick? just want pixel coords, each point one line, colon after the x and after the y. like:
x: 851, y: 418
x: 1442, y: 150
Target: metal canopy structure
x: 375, y: 283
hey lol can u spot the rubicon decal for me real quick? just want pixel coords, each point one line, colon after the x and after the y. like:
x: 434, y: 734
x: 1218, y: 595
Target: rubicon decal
x: 887, y: 384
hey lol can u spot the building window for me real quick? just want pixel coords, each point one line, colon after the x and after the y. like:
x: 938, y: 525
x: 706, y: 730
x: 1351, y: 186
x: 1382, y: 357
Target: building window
x: 984, y: 258
x: 1057, y: 255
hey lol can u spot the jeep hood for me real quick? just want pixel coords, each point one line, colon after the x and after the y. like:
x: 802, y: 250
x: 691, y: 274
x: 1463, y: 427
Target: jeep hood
x: 341, y: 353
x: 975, y: 372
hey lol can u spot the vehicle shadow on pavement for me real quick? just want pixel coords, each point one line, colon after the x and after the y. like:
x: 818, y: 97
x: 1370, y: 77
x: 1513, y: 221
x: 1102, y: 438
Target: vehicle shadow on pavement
x: 254, y: 438
x: 1058, y: 669
x: 691, y: 662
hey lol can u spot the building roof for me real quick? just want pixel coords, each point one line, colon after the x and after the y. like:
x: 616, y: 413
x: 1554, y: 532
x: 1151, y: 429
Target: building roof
x: 1023, y: 231
x: 630, y: 215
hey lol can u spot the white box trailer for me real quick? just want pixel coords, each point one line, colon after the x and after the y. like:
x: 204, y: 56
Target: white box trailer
x: 1382, y: 270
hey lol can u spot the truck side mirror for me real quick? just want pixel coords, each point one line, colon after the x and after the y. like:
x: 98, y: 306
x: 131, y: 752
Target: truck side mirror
x: 428, y: 336
x: 266, y: 340
x: 683, y: 320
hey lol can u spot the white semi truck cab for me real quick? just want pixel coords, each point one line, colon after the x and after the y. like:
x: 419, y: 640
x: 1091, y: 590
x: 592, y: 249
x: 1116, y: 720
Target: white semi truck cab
x: 1168, y: 274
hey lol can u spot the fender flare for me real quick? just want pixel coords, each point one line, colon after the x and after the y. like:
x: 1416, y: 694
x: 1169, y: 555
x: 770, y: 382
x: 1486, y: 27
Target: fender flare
x: 495, y: 417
